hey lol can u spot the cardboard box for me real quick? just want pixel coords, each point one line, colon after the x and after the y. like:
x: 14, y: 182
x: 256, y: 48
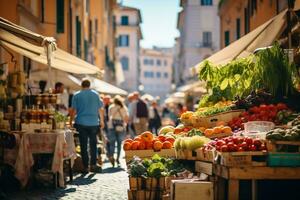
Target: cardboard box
x: 191, y: 189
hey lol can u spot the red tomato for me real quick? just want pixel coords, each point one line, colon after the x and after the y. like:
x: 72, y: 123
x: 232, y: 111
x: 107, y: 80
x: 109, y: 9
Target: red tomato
x: 249, y: 141
x: 240, y: 149
x: 281, y: 106
x: 252, y: 148
x: 257, y: 142
x: 224, y: 148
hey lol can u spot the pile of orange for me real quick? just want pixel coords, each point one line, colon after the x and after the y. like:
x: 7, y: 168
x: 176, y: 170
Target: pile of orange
x: 148, y: 141
x: 217, y: 130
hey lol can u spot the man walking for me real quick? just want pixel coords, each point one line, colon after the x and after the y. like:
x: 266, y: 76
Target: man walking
x: 88, y: 111
x: 139, y: 114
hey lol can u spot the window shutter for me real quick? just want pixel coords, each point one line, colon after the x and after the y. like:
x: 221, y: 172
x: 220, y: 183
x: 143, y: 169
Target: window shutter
x: 78, y: 37
x: 60, y: 22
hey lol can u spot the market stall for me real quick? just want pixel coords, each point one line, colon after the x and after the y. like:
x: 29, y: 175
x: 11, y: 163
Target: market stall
x: 246, y: 128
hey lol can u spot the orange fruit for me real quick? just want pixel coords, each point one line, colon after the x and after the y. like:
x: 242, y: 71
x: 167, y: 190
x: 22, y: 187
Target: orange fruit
x: 149, y: 145
x: 137, y: 138
x: 226, y: 129
x: 141, y: 146
x: 208, y: 132
x: 167, y: 145
x: 161, y: 138
x: 170, y: 139
x: 128, y: 140
x: 127, y: 146
x: 135, y: 145
x: 157, y: 146
x: 147, y: 136
x: 217, y: 130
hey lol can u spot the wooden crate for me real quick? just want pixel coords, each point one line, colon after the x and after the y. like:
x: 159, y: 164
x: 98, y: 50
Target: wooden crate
x: 204, y: 167
x: 211, y: 121
x: 144, y: 194
x: 238, y: 159
x: 208, y: 156
x: 155, y: 183
x: 136, y: 183
x: 278, y: 159
x: 196, y: 190
x: 279, y: 146
x: 149, y: 153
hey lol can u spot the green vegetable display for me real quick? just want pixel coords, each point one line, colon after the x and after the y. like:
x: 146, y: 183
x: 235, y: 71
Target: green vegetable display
x: 269, y: 69
x: 279, y: 134
x: 155, y: 167
x: 194, y: 132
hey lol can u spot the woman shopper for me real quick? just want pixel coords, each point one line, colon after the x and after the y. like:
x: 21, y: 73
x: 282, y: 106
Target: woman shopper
x: 118, y: 118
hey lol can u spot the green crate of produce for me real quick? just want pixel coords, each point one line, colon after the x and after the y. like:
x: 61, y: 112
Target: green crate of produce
x: 284, y: 159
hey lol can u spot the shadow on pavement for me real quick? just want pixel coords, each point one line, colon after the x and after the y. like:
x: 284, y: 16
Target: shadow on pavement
x: 112, y: 170
x: 83, y: 179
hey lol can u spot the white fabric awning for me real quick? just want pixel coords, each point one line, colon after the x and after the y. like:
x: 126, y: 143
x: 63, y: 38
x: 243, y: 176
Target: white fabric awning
x: 195, y: 87
x: 60, y: 59
x: 100, y: 86
x: 262, y: 36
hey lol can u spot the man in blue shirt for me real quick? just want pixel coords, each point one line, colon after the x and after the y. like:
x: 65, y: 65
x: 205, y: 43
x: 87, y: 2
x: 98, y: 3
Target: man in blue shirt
x: 89, y: 114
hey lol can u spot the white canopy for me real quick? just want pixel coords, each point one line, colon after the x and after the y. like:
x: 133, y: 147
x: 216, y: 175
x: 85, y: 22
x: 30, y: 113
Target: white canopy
x: 262, y: 36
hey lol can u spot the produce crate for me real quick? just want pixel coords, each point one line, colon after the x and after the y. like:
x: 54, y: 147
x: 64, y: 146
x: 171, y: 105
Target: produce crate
x: 139, y: 183
x: 144, y: 194
x: 204, y: 155
x: 283, y: 146
x: 149, y: 153
x: 204, y: 167
x: 283, y: 159
x: 211, y: 121
x: 237, y: 159
x: 186, y: 154
x: 136, y: 183
x: 192, y: 189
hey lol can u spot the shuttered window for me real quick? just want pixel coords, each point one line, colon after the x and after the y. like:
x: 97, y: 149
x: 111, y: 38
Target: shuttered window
x: 60, y: 22
x: 78, y: 37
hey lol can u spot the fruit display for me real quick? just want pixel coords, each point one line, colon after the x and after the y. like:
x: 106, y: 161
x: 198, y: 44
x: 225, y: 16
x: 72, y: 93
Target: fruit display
x: 208, y: 111
x: 279, y: 134
x: 154, y: 167
x: 214, y: 132
x: 255, y: 98
x: 236, y: 144
x: 296, y: 121
x: 148, y: 141
x: 190, y: 143
x: 263, y: 112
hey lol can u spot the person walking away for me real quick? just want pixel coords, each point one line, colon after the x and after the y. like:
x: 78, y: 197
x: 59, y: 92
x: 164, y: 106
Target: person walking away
x: 130, y: 125
x: 118, y: 118
x: 154, y: 118
x: 88, y: 111
x: 139, y: 114
x: 107, y: 103
x: 63, y: 98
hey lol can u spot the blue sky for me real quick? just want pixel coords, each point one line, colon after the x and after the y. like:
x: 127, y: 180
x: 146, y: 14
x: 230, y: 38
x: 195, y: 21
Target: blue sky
x: 159, y: 21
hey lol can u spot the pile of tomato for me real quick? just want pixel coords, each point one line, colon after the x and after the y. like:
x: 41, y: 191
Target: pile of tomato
x: 257, y: 113
x: 236, y: 144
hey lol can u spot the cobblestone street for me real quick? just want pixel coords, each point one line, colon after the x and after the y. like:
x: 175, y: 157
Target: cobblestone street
x: 111, y: 184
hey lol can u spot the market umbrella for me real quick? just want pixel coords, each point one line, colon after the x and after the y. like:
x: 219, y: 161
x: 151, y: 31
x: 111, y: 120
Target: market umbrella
x: 262, y: 36
x: 147, y: 96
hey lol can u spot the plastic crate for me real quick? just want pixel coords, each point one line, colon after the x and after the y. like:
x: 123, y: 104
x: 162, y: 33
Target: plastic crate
x: 283, y: 159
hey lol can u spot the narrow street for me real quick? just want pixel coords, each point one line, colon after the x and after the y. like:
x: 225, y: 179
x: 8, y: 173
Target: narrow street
x: 111, y: 184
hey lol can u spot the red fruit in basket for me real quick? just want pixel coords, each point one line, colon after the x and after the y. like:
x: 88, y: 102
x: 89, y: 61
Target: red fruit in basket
x: 244, y: 146
x: 235, y: 148
x: 263, y: 147
x: 235, y: 140
x: 230, y: 146
x: 257, y: 142
x: 253, y: 148
x: 224, y: 148
x: 281, y: 106
x: 220, y: 143
x: 240, y: 149
x: 241, y: 140
x: 249, y: 141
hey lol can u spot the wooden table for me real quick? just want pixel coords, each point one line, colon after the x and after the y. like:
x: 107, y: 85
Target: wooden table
x: 235, y: 174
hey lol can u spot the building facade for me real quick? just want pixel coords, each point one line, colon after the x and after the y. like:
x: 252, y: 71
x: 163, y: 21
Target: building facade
x: 156, y: 71
x: 199, y: 27
x: 128, y: 36
x: 84, y: 28
x: 239, y: 17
